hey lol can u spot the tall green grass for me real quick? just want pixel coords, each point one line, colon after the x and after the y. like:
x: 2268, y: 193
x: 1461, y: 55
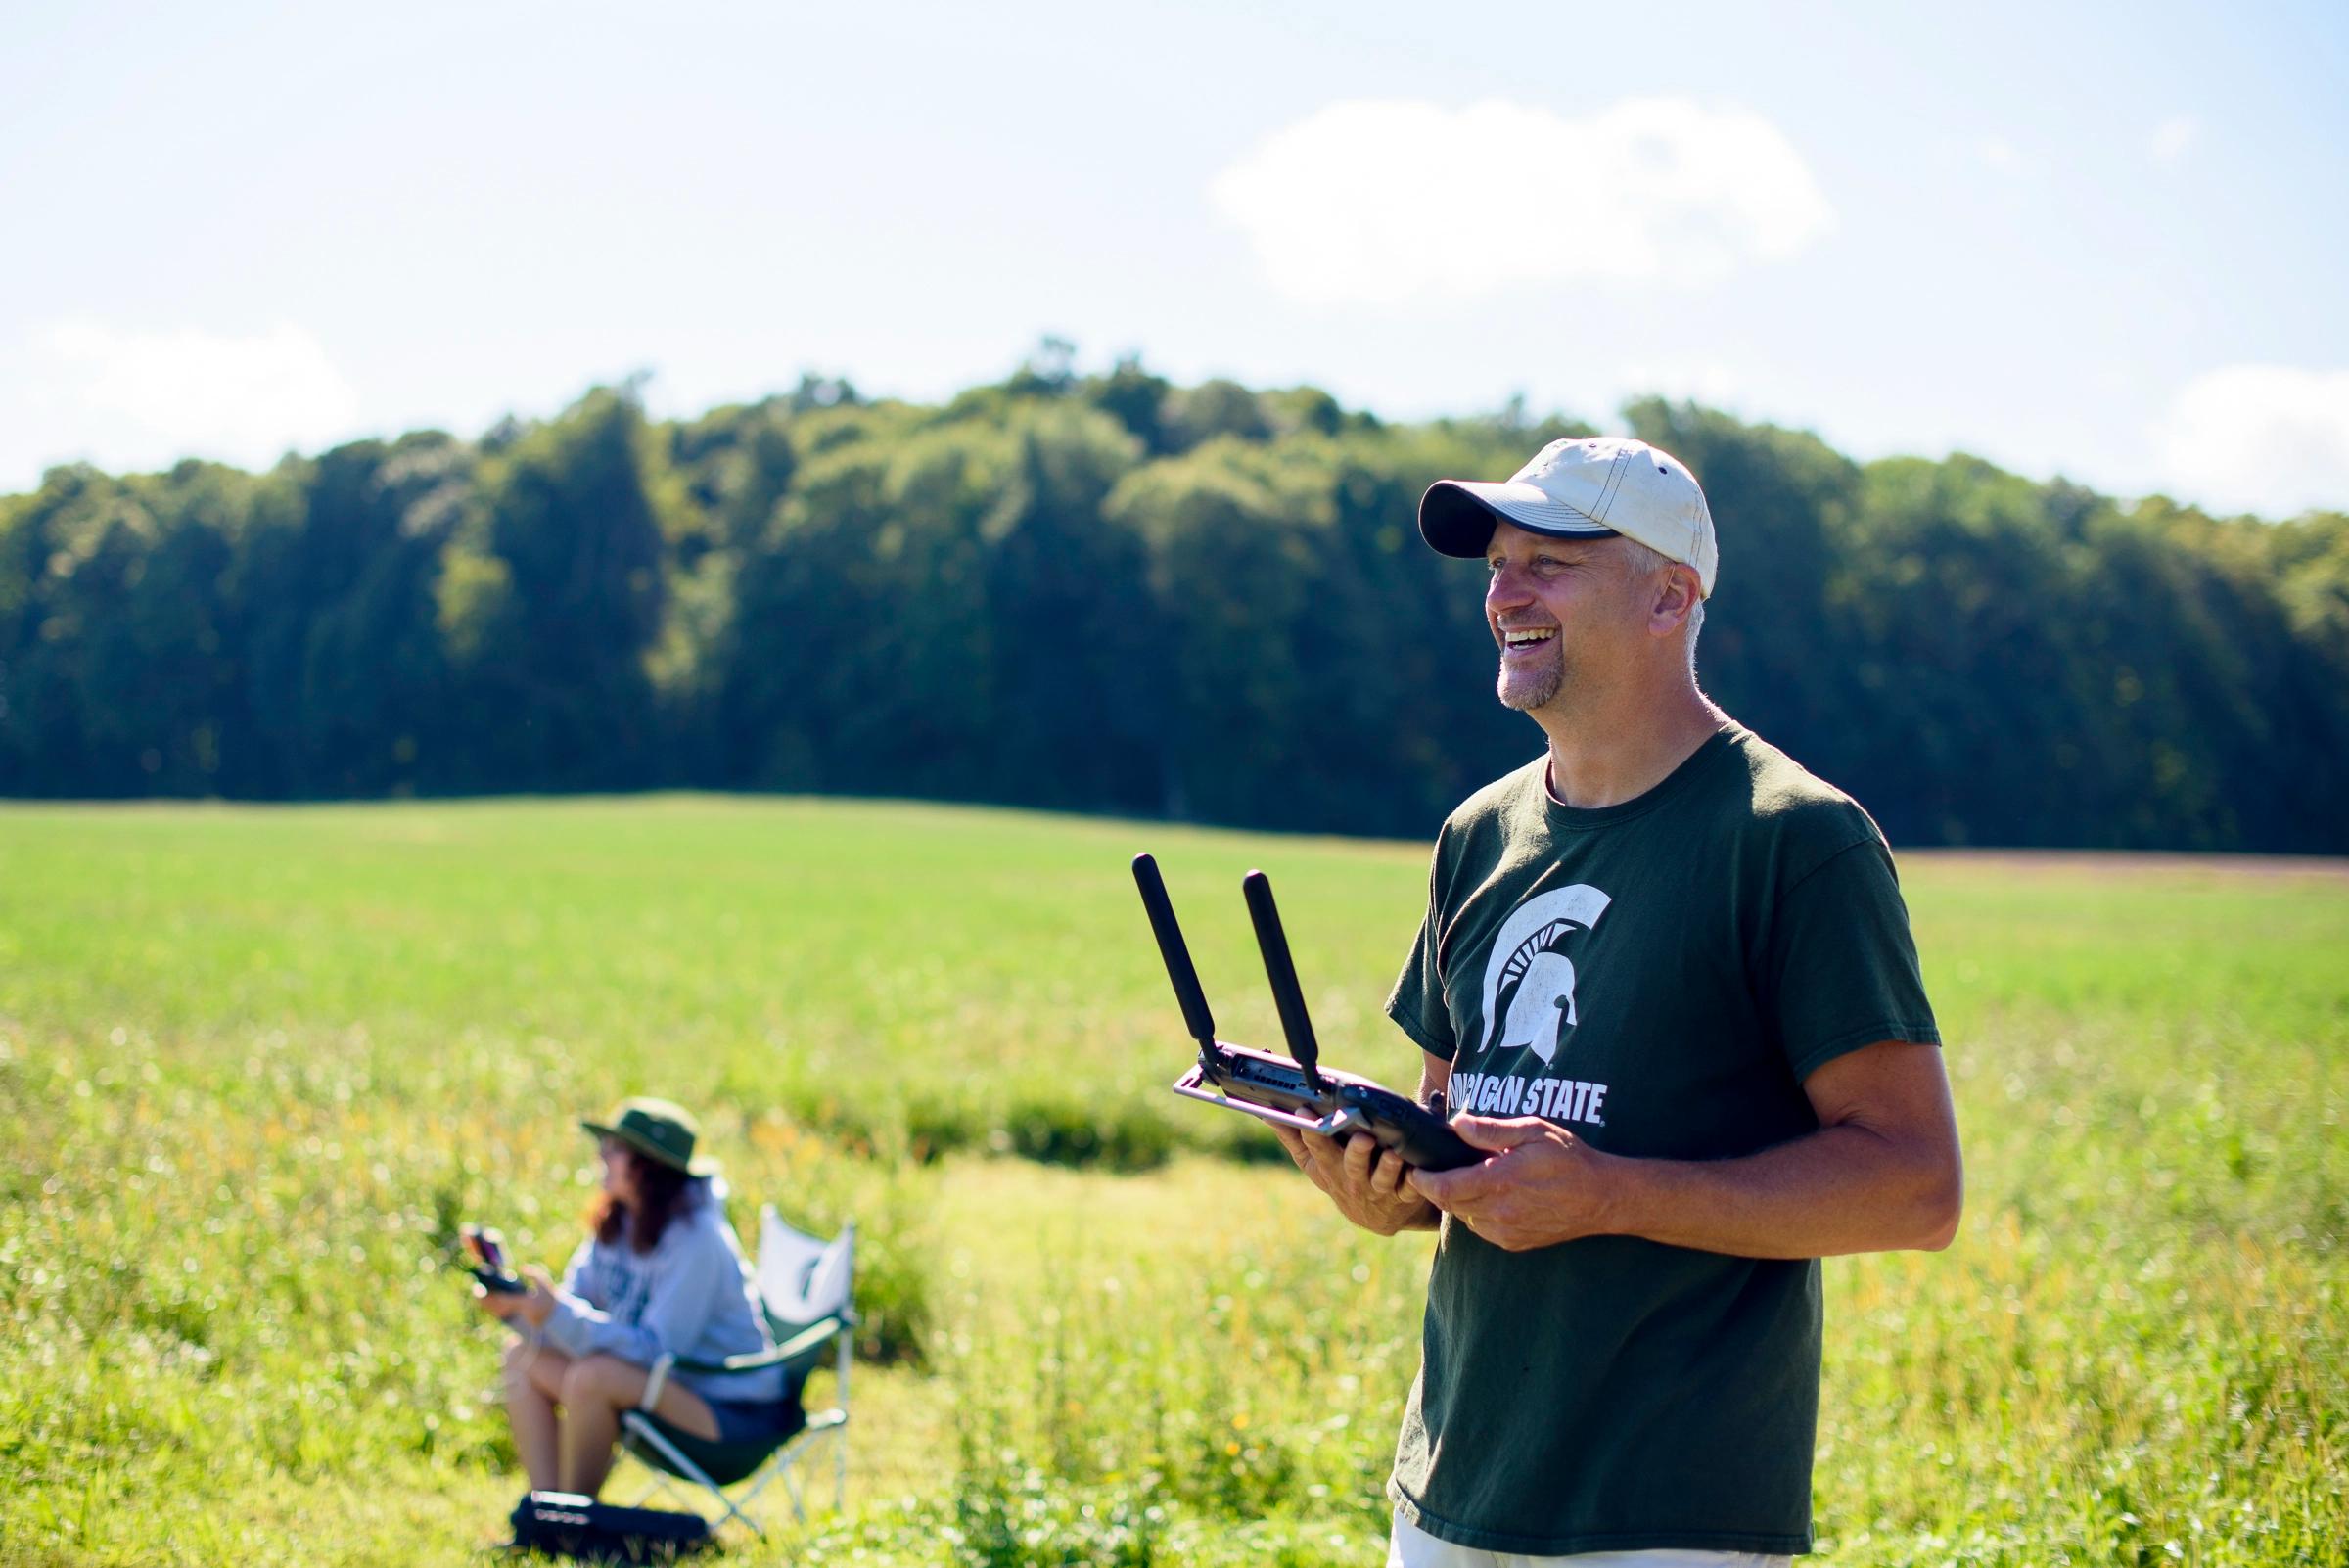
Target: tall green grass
x: 255, y: 1066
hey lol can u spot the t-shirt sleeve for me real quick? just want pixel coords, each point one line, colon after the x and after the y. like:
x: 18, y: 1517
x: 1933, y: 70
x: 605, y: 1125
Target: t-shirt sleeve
x: 1417, y: 1005
x: 1841, y: 965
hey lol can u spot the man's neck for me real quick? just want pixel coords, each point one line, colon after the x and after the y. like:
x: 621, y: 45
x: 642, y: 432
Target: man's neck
x: 1618, y: 752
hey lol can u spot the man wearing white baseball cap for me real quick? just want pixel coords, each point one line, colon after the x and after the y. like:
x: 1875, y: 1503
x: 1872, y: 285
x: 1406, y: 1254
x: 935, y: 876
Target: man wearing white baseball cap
x: 1583, y: 489
x: 1666, y: 981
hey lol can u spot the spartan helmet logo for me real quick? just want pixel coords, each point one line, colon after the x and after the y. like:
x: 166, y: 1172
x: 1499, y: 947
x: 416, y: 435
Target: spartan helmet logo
x: 1529, y: 984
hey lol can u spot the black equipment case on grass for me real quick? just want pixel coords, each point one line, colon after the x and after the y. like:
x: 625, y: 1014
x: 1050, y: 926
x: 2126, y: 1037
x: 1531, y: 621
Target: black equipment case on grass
x: 564, y: 1523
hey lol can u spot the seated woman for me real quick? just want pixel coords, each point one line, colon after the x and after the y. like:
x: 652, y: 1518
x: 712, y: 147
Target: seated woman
x: 660, y: 1275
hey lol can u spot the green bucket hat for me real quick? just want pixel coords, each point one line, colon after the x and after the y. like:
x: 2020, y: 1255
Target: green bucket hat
x: 658, y: 1129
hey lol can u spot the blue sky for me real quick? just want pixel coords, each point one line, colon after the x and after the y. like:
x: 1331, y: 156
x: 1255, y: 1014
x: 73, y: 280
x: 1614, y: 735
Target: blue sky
x: 2103, y: 241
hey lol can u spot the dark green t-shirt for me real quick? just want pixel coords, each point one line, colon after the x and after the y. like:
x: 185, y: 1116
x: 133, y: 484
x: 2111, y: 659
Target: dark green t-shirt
x: 1657, y: 976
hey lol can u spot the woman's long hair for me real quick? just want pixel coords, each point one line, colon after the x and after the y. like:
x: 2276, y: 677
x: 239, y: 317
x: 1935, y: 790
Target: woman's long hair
x: 662, y: 1193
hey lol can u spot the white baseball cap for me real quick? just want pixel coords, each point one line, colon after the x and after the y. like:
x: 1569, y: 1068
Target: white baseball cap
x: 1583, y: 489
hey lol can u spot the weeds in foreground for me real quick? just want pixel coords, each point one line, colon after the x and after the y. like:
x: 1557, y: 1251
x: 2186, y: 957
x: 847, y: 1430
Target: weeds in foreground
x: 254, y: 1067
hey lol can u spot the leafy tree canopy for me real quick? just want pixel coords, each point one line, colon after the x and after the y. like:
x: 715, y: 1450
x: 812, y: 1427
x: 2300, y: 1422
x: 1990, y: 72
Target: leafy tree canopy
x: 1112, y: 592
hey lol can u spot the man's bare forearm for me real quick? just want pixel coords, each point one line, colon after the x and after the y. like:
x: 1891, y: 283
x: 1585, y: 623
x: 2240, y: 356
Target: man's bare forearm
x: 1883, y: 1173
x: 1841, y: 1189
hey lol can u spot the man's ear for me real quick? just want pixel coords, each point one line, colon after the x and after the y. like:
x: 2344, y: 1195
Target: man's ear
x: 1677, y: 598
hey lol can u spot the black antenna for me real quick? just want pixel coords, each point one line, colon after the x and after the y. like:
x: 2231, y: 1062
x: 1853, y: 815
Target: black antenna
x: 1287, y: 995
x: 1195, y: 1016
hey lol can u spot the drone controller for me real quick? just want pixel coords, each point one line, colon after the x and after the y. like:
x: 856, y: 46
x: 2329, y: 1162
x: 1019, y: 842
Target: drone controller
x: 1293, y: 1091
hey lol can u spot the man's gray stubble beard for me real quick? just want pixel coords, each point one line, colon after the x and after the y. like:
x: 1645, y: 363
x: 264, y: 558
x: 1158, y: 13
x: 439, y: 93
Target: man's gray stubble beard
x: 1547, y: 685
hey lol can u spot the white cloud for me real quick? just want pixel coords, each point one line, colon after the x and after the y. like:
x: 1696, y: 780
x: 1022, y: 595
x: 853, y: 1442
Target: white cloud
x: 2000, y: 154
x: 2266, y: 438
x: 1375, y: 202
x: 2172, y: 137
x: 142, y: 399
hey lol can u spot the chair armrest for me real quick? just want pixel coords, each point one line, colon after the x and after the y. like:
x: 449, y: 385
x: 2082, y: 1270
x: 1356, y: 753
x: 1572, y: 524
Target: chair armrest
x: 799, y: 1344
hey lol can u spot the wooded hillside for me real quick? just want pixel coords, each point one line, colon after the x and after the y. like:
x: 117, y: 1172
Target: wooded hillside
x: 1112, y: 593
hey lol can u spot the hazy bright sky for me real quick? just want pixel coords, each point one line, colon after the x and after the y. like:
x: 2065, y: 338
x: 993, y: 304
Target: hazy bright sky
x: 2106, y: 242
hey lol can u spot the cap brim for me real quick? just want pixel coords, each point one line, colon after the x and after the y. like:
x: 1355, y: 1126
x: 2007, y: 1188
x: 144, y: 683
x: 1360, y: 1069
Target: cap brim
x: 1456, y: 516
x: 699, y: 1165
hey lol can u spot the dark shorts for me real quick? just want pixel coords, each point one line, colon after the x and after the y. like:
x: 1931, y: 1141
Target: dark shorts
x: 755, y: 1422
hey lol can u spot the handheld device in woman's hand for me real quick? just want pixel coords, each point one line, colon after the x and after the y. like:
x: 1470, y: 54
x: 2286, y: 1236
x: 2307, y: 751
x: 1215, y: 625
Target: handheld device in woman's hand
x: 489, y: 1250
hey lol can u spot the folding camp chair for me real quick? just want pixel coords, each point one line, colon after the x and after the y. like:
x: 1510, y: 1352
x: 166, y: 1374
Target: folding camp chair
x: 803, y: 1287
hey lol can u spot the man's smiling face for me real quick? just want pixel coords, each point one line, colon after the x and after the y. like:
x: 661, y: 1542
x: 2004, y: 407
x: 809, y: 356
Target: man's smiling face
x: 1561, y: 611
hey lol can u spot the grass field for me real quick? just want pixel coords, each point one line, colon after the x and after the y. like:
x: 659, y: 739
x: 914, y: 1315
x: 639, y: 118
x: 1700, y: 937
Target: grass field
x: 254, y: 1064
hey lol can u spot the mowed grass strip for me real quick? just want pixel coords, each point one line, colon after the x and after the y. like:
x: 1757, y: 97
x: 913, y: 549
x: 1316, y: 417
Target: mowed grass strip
x: 254, y: 1064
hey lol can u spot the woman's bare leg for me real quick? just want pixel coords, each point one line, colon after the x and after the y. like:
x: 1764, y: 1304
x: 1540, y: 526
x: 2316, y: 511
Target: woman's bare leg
x: 595, y: 1390
x: 534, y: 1377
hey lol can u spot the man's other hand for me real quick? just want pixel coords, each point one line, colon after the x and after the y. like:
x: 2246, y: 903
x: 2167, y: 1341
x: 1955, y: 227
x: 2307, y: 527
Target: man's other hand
x: 1538, y: 1185
x: 1365, y: 1181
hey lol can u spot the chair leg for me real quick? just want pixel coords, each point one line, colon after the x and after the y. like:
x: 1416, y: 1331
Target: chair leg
x: 693, y: 1472
x: 787, y: 1462
x: 760, y: 1481
x: 664, y: 1485
x: 840, y: 1434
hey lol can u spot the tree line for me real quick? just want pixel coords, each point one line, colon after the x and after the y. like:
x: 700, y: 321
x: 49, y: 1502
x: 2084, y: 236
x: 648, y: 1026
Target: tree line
x: 1110, y: 593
